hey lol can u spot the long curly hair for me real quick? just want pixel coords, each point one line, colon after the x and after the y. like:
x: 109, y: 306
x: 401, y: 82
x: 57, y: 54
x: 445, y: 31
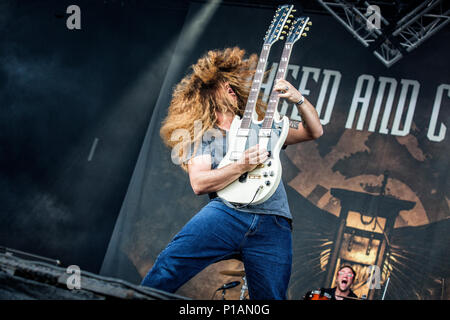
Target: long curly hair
x: 201, y: 94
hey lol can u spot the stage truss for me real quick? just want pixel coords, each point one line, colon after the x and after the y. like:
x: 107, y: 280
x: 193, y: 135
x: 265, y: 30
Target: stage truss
x: 389, y: 40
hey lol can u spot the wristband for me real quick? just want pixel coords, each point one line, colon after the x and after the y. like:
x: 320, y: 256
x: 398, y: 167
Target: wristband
x: 302, y: 99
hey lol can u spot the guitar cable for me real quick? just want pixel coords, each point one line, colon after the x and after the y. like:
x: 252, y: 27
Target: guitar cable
x: 247, y: 204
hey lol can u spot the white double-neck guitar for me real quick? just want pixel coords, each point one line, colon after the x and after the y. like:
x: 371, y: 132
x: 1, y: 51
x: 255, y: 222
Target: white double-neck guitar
x: 270, y: 133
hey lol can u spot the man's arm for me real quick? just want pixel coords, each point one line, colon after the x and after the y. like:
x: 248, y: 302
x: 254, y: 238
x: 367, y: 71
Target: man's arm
x: 310, y: 128
x: 205, y: 180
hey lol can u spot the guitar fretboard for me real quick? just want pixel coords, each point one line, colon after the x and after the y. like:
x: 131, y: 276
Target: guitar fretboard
x: 256, y: 87
x: 274, y: 98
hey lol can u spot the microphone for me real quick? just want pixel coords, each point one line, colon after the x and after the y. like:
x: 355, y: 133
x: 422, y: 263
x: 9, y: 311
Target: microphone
x: 229, y: 285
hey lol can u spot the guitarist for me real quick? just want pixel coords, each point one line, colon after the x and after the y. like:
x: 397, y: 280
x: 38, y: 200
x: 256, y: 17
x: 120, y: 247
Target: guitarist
x: 214, y: 92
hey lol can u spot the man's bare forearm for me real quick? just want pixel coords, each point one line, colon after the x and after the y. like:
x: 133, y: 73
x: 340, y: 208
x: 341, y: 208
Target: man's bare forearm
x: 216, y: 179
x: 310, y: 127
x: 310, y: 119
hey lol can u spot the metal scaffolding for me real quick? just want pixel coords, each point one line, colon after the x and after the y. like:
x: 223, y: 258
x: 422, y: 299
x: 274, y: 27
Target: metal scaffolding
x: 389, y: 40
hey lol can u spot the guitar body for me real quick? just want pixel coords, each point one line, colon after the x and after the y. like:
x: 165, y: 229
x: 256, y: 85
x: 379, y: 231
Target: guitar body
x: 256, y: 186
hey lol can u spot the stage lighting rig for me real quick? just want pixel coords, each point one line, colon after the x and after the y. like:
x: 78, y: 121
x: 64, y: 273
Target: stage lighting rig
x: 397, y: 32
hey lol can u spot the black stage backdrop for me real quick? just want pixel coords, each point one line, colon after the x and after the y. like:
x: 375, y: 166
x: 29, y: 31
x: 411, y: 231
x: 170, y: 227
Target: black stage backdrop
x: 372, y: 191
x: 63, y: 94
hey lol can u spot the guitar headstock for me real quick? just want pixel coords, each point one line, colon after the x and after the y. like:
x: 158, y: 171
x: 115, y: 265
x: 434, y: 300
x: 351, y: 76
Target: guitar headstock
x: 279, y: 23
x: 298, y: 29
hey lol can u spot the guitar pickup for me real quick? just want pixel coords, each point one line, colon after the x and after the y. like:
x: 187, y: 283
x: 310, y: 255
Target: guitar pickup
x: 235, y: 156
x: 265, y: 132
x: 242, y: 132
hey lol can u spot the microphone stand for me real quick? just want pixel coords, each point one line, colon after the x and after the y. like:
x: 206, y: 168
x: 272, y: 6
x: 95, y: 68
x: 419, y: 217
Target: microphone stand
x: 227, y: 286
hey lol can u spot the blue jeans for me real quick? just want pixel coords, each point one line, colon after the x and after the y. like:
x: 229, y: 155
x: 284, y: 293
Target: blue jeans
x: 217, y: 232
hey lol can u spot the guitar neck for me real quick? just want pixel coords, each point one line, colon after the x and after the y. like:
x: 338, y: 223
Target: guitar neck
x: 279, y: 22
x: 281, y: 74
x: 256, y: 87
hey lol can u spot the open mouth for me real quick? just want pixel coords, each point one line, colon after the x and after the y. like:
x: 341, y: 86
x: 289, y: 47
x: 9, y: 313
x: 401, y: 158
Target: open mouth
x: 344, y: 281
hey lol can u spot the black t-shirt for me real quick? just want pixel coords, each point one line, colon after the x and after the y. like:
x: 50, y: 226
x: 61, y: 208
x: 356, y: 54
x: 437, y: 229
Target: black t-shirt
x: 331, y: 292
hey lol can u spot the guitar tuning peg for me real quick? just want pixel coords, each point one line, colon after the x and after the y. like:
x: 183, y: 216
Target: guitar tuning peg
x: 281, y: 38
x: 289, y: 21
x: 291, y: 16
x: 283, y: 32
x: 286, y: 27
x: 294, y: 10
x: 304, y: 34
x: 306, y: 29
x: 309, y: 23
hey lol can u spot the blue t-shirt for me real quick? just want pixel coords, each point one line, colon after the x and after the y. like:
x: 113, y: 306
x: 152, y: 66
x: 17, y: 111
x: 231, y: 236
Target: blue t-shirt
x: 217, y: 147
